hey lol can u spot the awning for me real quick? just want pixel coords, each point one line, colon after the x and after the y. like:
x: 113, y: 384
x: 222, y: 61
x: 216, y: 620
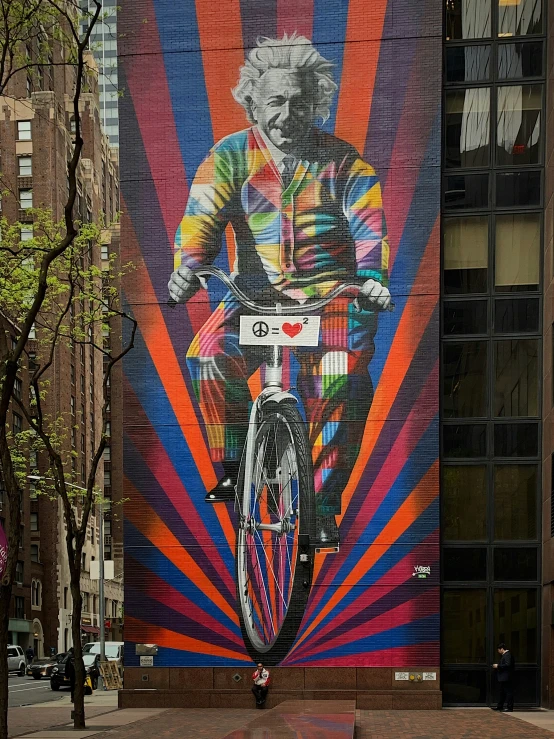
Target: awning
x: 90, y: 629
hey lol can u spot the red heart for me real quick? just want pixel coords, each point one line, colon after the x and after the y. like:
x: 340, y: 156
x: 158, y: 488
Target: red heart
x: 291, y: 329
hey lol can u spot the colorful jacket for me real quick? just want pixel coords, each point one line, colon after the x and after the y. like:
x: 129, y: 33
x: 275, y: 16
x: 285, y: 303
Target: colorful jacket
x: 326, y: 227
x: 264, y: 676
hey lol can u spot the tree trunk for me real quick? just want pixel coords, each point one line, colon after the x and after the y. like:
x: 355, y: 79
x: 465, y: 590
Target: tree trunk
x: 5, y: 600
x: 79, y: 695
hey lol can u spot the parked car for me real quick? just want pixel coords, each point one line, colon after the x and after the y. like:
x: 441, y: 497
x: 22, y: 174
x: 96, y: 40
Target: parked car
x: 16, y: 659
x: 40, y: 668
x: 114, y: 650
x: 59, y: 679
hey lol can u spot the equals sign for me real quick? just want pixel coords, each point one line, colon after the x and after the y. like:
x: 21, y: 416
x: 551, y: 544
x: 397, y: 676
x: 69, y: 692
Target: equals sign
x: 275, y: 331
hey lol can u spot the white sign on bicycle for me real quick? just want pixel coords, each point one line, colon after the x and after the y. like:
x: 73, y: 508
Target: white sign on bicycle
x: 279, y: 330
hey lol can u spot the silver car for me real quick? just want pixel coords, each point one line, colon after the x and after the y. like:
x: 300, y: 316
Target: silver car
x: 16, y: 659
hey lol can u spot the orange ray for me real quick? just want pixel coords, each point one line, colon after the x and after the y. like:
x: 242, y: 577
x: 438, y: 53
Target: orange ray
x: 354, y: 104
x: 147, y: 521
x: 140, y: 631
x: 414, y: 505
x: 415, y: 317
x: 221, y: 65
x: 140, y: 294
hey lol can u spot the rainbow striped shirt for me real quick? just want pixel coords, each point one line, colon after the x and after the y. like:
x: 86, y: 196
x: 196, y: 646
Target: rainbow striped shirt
x: 327, y: 226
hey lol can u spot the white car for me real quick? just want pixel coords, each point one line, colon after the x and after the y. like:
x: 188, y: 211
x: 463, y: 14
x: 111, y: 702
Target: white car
x: 16, y: 660
x: 114, y: 650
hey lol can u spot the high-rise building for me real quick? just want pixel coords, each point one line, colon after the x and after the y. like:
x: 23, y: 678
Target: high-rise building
x: 36, y: 127
x: 396, y: 529
x: 103, y: 43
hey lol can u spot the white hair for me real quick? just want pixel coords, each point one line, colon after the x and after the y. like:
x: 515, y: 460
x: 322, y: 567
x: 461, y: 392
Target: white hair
x: 295, y: 53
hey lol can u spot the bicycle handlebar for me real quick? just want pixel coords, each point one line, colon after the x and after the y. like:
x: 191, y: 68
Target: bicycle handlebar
x: 308, y: 307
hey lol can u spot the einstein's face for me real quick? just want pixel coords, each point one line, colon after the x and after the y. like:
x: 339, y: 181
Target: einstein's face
x: 284, y: 107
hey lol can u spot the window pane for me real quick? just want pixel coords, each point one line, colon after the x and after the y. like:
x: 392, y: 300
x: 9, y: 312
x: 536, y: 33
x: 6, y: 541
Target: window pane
x: 464, y: 618
x: 519, y: 124
x: 465, y: 440
x: 516, y: 316
x: 518, y: 188
x: 515, y: 501
x: 515, y: 622
x: 464, y: 379
x: 466, y: 191
x: 517, y: 251
x: 519, y: 60
x: 468, y: 63
x: 468, y: 19
x: 515, y: 564
x: 464, y: 502
x: 465, y: 249
x: 467, y: 317
x: 516, y: 368
x: 464, y: 686
x: 520, y: 18
x: 467, y: 124
x: 516, y: 440
x: 464, y: 564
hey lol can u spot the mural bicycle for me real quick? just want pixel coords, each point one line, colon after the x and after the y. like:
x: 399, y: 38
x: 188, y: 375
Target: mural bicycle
x: 281, y: 426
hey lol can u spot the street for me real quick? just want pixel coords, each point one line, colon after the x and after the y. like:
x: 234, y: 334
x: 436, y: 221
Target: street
x: 25, y: 691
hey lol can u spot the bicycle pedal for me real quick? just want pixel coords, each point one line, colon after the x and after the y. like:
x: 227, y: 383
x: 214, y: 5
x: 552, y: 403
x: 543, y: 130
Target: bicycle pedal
x: 327, y: 550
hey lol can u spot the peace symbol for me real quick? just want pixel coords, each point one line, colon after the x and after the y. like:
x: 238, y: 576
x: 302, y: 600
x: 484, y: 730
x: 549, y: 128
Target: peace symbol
x: 260, y: 329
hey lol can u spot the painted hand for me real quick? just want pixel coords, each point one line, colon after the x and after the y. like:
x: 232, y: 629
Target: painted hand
x: 373, y: 295
x: 183, y: 284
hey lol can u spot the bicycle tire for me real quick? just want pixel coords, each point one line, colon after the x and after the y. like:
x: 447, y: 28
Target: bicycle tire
x: 271, y: 651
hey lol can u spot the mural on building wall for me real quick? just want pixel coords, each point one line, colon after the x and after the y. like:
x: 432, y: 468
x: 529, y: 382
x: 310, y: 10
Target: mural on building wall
x: 280, y: 179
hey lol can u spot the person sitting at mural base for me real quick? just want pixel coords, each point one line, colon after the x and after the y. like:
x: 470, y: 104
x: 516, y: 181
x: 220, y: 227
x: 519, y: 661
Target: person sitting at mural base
x: 261, y: 685
x: 307, y: 215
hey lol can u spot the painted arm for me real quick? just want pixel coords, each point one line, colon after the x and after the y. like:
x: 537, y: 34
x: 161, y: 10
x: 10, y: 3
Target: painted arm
x: 363, y: 207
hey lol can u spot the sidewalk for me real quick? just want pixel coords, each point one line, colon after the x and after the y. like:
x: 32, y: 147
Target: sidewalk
x: 105, y: 721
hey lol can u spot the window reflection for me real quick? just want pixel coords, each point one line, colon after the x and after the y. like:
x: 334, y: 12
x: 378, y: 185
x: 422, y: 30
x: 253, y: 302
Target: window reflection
x: 464, y: 379
x: 519, y: 17
x: 468, y: 19
x: 519, y: 60
x: 465, y: 317
x: 464, y: 564
x: 516, y: 439
x: 464, y: 686
x: 464, y: 619
x: 464, y: 440
x: 517, y: 563
x: 515, y: 502
x: 518, y: 188
x: 515, y: 316
x: 467, y: 124
x: 516, y: 370
x: 465, y: 248
x: 517, y: 252
x: 516, y: 622
x: 464, y: 502
x: 468, y: 63
x: 519, y: 124
x: 466, y: 191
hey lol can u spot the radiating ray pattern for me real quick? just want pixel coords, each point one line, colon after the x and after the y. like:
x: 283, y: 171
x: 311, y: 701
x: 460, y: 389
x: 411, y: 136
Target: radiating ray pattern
x: 178, y: 64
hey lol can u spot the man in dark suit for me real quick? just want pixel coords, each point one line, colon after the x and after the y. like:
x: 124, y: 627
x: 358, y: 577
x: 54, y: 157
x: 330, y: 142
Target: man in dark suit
x: 505, y: 671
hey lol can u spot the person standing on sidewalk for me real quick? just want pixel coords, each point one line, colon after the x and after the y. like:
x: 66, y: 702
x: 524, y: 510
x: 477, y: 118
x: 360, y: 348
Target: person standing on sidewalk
x: 505, y: 671
x: 29, y: 654
x: 261, y: 685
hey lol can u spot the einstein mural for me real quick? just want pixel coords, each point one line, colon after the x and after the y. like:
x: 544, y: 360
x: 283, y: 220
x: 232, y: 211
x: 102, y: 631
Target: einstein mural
x: 281, y: 437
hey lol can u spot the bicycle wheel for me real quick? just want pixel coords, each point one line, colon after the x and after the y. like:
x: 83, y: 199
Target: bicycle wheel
x: 274, y: 561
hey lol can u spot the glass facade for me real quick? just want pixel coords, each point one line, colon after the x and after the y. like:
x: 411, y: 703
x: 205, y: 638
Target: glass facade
x: 103, y: 42
x: 492, y: 234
